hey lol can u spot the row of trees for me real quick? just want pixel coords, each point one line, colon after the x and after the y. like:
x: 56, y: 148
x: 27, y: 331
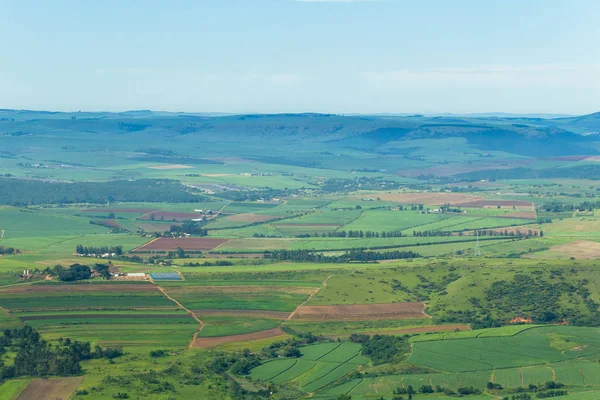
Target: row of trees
x: 357, y: 255
x: 98, y: 250
x: 190, y: 228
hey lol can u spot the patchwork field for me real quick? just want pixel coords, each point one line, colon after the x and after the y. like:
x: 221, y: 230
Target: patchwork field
x: 361, y: 312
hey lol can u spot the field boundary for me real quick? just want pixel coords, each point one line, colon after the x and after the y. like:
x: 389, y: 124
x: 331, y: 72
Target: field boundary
x: 195, y: 336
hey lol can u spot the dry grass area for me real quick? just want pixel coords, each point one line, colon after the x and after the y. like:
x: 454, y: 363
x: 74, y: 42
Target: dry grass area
x: 584, y: 249
x: 209, y: 342
x: 361, y: 312
x: 429, y: 199
x: 50, y: 389
x: 524, y: 229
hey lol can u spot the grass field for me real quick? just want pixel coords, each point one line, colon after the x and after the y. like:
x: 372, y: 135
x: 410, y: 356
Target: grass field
x: 319, y: 366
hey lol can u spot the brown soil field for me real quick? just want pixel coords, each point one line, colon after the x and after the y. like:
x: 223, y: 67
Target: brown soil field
x: 584, y: 249
x: 205, y: 343
x: 119, y: 210
x: 429, y: 199
x: 245, y: 313
x: 189, y: 244
x: 250, y: 218
x: 80, y: 288
x: 111, y: 316
x: 170, y: 215
x: 50, y: 389
x: 171, y: 166
x: 492, y: 203
x: 332, y: 225
x: 519, y: 214
x: 408, y: 331
x: 362, y: 312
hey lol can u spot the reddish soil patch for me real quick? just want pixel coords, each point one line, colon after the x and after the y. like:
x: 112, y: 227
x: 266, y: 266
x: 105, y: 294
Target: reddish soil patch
x: 55, y: 389
x: 118, y: 210
x: 251, y: 218
x: 170, y: 216
x: 520, y: 214
x: 111, y: 316
x: 362, y: 312
x: 408, y: 331
x: 244, y: 313
x: 493, y: 203
x: 81, y: 288
x: 332, y: 225
x: 429, y: 199
x: 188, y: 244
x: 205, y: 343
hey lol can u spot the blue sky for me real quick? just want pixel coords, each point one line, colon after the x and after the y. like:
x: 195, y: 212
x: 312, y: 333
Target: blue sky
x: 340, y: 56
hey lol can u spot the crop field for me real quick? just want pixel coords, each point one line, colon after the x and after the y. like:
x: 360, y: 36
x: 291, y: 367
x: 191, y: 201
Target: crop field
x: 172, y: 244
x: 319, y: 366
x: 361, y: 312
x: 10, y: 390
x: 527, y: 348
x: 56, y: 389
x: 380, y: 220
x: 23, y: 223
x: 219, y: 325
x: 244, y: 297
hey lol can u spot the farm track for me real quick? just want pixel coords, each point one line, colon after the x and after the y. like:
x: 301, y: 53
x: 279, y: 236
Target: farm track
x: 194, y: 338
x: 310, y: 296
x: 209, y: 342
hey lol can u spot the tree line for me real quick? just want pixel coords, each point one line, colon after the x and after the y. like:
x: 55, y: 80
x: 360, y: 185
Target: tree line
x: 36, y: 357
x: 22, y: 192
x: 355, y: 255
x: 9, y: 250
x: 97, y: 251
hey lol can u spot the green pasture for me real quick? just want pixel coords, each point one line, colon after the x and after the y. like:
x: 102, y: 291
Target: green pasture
x: 528, y: 348
x: 244, y: 297
x: 225, y: 325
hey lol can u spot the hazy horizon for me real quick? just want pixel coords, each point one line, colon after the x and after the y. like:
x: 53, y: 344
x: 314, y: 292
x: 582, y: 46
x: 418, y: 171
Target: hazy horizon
x: 281, y: 56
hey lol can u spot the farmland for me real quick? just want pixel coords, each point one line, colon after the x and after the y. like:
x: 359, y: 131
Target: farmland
x: 501, y: 284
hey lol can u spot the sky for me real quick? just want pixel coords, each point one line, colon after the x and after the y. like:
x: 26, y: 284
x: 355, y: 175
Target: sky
x: 330, y: 56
